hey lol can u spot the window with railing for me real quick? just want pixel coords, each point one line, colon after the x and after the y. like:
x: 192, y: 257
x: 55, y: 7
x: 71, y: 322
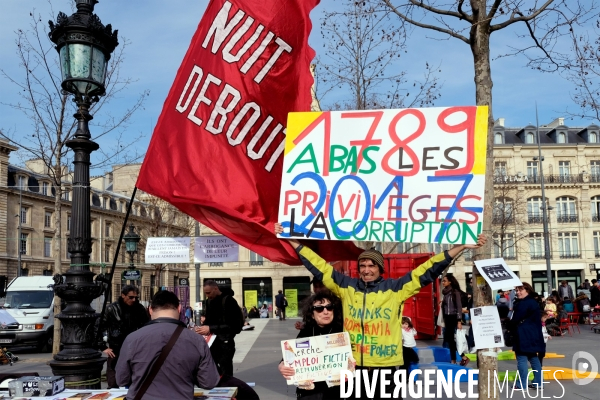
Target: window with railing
x: 568, y: 245
x: 536, y: 246
x: 595, y: 206
x: 564, y: 168
x: 565, y: 210
x: 500, y: 168
x: 597, y: 244
x: 534, y: 210
x: 504, y: 246
x: 256, y: 259
x: 532, y: 171
x: 503, y: 212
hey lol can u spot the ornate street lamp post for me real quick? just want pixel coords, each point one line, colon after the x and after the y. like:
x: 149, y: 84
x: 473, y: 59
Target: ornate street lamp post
x: 84, y: 45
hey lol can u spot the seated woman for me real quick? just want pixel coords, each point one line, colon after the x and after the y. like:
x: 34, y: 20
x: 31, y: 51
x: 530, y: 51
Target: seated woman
x: 322, y: 315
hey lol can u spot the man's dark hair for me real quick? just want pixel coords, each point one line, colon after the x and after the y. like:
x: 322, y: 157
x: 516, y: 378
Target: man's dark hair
x: 594, y: 281
x: 280, y: 291
x: 129, y: 288
x: 164, y: 300
x: 211, y: 283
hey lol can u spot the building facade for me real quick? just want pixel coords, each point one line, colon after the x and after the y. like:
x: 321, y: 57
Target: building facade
x: 28, y: 224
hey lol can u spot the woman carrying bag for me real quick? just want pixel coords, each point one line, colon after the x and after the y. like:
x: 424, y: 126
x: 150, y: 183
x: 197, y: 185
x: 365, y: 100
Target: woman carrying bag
x: 452, y: 313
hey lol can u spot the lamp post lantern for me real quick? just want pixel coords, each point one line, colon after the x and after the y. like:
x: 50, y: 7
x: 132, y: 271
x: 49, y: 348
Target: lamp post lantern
x: 131, y: 242
x: 84, y: 45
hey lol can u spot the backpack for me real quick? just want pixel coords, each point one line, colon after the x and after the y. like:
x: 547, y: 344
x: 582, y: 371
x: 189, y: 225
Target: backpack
x: 237, y: 328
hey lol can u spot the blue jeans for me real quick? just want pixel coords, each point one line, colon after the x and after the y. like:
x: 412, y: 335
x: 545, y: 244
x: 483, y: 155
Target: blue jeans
x: 522, y: 367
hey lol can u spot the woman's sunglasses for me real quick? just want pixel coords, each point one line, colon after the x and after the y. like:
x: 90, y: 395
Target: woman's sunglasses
x: 320, y: 309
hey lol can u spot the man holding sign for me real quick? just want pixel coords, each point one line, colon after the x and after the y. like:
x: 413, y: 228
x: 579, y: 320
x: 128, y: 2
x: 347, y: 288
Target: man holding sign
x: 371, y: 303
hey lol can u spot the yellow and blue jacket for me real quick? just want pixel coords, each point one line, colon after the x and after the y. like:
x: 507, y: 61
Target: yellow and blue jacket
x: 373, y: 310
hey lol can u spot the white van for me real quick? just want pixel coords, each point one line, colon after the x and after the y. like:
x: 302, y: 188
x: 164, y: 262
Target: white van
x: 31, y: 302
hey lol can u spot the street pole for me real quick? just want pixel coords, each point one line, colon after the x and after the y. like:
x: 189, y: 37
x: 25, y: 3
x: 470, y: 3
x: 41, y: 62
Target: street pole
x: 197, y: 265
x: 544, y: 208
x: 84, y: 45
x: 19, y: 230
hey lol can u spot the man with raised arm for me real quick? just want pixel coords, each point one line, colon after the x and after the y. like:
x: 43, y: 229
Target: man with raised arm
x: 373, y: 305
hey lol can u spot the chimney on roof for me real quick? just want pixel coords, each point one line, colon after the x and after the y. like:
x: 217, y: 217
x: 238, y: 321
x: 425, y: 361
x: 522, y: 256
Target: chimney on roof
x: 499, y: 122
x: 557, y: 122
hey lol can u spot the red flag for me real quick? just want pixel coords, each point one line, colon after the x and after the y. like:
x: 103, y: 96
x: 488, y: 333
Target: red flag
x: 217, y: 150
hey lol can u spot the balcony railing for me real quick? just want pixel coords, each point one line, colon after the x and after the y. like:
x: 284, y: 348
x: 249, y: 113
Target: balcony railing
x: 570, y: 255
x: 535, y: 219
x: 537, y: 257
x: 256, y: 262
x: 596, y: 218
x: 595, y: 178
x: 503, y: 220
x: 563, y: 178
x: 597, y: 255
x: 565, y: 219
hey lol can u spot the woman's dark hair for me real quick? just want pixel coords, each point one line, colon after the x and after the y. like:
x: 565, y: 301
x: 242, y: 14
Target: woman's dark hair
x: 453, y: 282
x: 529, y: 289
x: 325, y: 294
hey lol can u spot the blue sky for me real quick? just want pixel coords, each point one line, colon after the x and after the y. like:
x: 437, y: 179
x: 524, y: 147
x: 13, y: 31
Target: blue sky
x: 160, y: 32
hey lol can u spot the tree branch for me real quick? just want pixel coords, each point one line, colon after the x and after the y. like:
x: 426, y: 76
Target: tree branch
x: 522, y: 18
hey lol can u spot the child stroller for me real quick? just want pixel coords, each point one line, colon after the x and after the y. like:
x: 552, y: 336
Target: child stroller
x: 6, y: 357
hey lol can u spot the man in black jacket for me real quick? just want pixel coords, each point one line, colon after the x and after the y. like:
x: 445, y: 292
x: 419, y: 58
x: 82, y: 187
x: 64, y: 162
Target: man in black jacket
x: 124, y: 316
x: 222, y: 319
x: 281, y: 304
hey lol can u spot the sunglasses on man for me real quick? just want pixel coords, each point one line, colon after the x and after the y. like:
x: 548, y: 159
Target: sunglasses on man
x: 320, y: 309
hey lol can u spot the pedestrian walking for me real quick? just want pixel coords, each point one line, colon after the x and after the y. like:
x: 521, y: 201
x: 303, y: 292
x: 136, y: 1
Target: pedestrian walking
x: 281, y: 304
x: 595, y: 293
x: 526, y: 327
x: 452, y: 313
x: 123, y: 317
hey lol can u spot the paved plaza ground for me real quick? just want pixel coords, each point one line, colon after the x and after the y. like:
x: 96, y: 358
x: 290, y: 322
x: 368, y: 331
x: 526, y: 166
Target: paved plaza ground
x: 258, y: 353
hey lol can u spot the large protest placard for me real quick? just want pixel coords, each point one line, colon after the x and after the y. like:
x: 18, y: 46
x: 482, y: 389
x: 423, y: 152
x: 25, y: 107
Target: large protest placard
x: 409, y: 175
x: 316, y: 358
x: 169, y: 250
x: 215, y: 249
x: 497, y: 274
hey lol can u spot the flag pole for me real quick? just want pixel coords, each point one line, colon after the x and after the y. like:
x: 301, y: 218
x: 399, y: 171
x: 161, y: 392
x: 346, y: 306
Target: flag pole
x: 108, y: 281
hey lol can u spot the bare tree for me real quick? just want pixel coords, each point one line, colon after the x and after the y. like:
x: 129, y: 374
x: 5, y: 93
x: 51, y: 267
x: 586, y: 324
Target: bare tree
x: 362, y: 55
x: 509, y: 218
x: 473, y: 22
x: 162, y: 220
x: 50, y: 111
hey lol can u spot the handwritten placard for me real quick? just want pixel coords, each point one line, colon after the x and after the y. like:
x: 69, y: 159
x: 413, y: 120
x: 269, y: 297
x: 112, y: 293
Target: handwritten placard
x: 215, y: 249
x: 316, y: 358
x: 168, y: 250
x: 409, y: 175
x: 487, y: 329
